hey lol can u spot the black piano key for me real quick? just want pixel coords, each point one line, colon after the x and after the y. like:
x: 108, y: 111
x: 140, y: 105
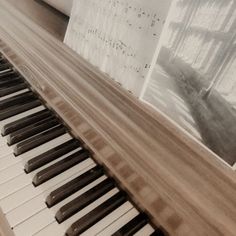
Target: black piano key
x: 32, y: 130
x: 60, y: 167
x: 84, y: 200
x: 132, y: 226
x: 12, y: 89
x: 23, y: 122
x: 18, y: 99
x: 158, y: 232
x: 5, y: 66
x: 96, y: 215
x: 8, y: 82
x: 51, y: 155
x: 8, y: 74
x: 37, y: 140
x: 73, y: 186
x: 2, y: 60
x: 14, y: 110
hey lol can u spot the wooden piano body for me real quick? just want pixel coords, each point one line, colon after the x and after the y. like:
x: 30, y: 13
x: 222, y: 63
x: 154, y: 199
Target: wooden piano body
x: 182, y: 186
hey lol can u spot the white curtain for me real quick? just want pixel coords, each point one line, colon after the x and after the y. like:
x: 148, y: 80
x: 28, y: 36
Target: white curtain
x: 200, y: 40
x: 119, y: 37
x: 202, y: 33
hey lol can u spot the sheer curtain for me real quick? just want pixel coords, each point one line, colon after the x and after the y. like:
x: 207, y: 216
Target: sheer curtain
x: 202, y: 33
x: 119, y: 37
x: 194, y: 81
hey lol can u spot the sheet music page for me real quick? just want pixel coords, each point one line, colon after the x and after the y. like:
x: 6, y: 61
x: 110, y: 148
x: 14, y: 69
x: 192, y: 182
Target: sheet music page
x: 119, y: 37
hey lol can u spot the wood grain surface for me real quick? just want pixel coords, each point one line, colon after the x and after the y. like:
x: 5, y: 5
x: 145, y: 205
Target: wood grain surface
x: 181, y: 184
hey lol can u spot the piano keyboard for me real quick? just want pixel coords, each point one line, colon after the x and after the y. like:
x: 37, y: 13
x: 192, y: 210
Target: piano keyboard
x: 49, y: 183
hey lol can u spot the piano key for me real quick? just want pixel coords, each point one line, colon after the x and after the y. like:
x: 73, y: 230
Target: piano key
x: 132, y: 226
x: 15, y: 181
x: 14, y: 185
x: 146, y: 230
x: 2, y: 59
x: 36, y: 151
x: 84, y: 200
x: 37, y: 204
x: 21, y: 123
x: 15, y: 110
x: 51, y: 155
x: 112, y: 228
x: 32, y: 130
x: 96, y: 214
x: 10, y: 173
x: 18, y: 99
x: 108, y: 220
x: 29, y: 192
x: 8, y: 78
x: 7, y: 161
x: 13, y: 89
x: 158, y: 232
x: 5, y: 66
x: 37, y: 140
x: 20, y: 115
x: 5, y: 151
x: 20, y: 91
x: 8, y: 74
x: 59, y: 229
x: 59, y: 167
x: 18, y: 168
x: 33, y: 224
x: 73, y: 186
x: 9, y: 82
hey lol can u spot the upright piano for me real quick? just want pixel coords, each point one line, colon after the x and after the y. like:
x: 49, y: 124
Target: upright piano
x: 79, y: 155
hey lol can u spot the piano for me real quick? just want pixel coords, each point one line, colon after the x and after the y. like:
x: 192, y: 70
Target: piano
x: 81, y: 156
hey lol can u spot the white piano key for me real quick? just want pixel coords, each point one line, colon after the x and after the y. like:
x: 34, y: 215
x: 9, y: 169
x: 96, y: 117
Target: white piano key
x: 25, y: 211
x: 39, y: 224
x: 108, y: 220
x: 29, y: 192
x: 21, y: 115
x: 5, y: 70
x: 18, y: 168
x: 11, y: 172
x: 34, y: 224
x: 8, y: 161
x: 14, y: 94
x: 37, y: 204
x: 124, y: 219
x: 145, y: 231
x: 5, y: 151
x: 3, y: 141
x: 38, y: 150
x: 44, y: 147
x: 14, y: 185
x: 18, y: 198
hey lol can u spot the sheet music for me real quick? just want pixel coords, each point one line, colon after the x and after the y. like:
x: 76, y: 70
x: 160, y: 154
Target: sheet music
x: 119, y: 37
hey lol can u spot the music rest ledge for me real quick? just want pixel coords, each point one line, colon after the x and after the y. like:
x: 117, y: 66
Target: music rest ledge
x: 182, y: 185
